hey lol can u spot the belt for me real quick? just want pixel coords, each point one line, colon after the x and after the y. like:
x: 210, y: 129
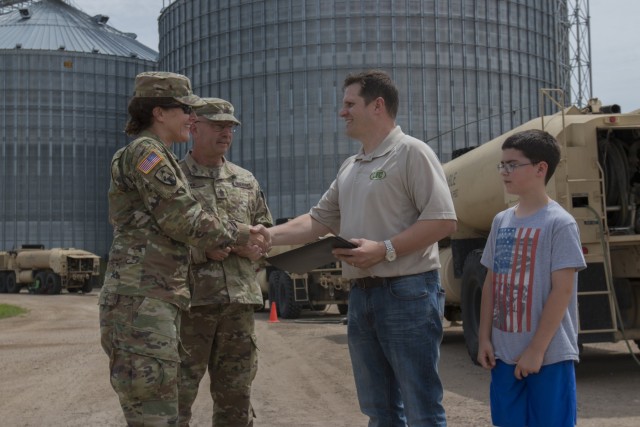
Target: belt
x: 370, y: 282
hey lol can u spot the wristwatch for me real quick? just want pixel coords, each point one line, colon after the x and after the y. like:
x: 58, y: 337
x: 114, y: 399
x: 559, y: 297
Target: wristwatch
x: 391, y: 252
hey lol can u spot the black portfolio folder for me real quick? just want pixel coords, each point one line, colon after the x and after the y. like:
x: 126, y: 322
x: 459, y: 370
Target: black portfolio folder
x: 310, y: 256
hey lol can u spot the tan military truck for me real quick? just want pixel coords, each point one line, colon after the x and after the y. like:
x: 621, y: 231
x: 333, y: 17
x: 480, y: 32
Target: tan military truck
x: 597, y: 181
x: 48, y: 271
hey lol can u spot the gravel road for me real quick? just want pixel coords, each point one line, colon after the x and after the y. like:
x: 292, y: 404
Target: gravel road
x: 54, y: 373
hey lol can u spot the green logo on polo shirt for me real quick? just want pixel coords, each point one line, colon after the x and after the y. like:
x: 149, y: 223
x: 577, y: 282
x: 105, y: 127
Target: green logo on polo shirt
x: 377, y: 175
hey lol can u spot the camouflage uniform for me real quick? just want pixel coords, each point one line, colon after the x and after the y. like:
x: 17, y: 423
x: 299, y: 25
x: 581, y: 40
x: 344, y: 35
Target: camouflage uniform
x: 155, y: 219
x: 218, y: 330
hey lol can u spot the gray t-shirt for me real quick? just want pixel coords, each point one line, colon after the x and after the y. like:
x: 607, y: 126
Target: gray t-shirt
x: 523, y: 252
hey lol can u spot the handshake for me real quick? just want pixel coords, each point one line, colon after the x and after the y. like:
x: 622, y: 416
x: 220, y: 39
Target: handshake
x: 258, y: 245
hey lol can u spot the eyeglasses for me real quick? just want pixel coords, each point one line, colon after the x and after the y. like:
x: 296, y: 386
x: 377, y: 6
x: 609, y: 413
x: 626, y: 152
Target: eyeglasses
x: 510, y: 167
x: 220, y: 127
x: 187, y: 109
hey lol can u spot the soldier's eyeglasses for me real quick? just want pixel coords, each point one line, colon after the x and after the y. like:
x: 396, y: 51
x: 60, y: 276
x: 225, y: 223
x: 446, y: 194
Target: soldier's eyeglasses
x: 229, y: 126
x: 510, y: 167
x: 187, y: 109
x: 233, y: 127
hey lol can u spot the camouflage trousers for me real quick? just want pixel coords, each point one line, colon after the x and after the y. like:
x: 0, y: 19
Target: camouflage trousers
x: 219, y: 337
x: 140, y: 336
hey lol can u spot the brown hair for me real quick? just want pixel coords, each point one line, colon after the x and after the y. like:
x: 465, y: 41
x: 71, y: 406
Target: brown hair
x: 537, y: 146
x: 374, y: 84
x: 141, y: 113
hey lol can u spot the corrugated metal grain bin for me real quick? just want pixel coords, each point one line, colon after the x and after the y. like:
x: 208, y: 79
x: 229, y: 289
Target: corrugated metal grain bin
x: 282, y: 63
x: 65, y: 81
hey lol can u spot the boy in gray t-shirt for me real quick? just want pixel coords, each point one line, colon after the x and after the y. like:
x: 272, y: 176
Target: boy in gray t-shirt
x: 528, y: 333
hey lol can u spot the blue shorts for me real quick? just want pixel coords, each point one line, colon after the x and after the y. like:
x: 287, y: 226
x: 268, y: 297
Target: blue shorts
x: 545, y: 399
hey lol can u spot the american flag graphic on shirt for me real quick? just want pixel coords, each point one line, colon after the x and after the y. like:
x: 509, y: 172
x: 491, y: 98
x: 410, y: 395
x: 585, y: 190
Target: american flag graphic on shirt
x: 514, y: 266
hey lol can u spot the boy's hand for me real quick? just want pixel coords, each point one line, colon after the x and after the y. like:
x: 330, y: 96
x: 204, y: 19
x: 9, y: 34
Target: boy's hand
x: 486, y: 357
x: 529, y: 362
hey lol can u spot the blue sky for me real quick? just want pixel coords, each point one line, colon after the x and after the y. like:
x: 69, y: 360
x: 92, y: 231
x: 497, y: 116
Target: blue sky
x: 615, y: 54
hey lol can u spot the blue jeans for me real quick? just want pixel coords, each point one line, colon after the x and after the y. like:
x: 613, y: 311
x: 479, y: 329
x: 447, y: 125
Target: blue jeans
x: 394, y: 335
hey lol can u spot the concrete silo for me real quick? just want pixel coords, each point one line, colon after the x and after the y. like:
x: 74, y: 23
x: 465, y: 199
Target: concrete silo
x: 467, y: 71
x: 65, y: 80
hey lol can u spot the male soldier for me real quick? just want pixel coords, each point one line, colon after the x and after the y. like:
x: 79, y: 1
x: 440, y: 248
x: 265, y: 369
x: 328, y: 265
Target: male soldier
x: 155, y: 220
x: 218, y: 331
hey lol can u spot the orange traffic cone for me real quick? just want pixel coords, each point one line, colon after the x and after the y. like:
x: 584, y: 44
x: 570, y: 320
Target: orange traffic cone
x: 273, y: 316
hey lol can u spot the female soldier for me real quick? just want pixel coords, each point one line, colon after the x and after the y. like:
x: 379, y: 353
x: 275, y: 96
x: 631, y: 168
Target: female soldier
x: 155, y: 219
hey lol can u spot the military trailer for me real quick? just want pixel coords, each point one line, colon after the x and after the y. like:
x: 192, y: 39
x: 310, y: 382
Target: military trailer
x: 48, y: 271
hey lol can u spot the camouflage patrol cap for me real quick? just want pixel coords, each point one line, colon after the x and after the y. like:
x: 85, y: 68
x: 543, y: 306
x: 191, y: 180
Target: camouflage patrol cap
x: 217, y: 110
x: 156, y: 84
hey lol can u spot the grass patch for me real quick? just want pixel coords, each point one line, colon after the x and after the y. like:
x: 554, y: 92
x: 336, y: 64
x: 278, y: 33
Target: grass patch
x: 7, y: 310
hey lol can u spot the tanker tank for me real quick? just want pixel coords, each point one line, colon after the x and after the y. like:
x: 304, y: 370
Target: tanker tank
x: 35, y: 259
x: 476, y: 188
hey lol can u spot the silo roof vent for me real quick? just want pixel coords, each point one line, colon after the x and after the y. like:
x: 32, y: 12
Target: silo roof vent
x: 100, y: 19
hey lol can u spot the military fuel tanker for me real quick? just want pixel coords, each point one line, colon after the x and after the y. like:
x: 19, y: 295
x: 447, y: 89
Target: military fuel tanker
x: 48, y: 271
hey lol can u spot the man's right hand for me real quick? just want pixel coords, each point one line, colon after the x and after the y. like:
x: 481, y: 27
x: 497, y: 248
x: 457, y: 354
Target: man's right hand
x: 260, y: 237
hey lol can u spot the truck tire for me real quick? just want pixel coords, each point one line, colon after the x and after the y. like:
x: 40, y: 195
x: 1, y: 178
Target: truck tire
x: 286, y: 303
x: 343, y: 308
x: 88, y: 285
x: 3, y: 283
x: 12, y: 286
x: 473, y: 275
x: 274, y: 278
x: 40, y: 284
x: 53, y: 284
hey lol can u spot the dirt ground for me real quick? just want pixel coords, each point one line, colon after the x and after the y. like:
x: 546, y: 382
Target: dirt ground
x: 54, y: 373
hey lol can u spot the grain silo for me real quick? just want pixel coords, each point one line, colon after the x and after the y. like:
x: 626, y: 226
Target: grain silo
x: 65, y: 80
x: 467, y: 71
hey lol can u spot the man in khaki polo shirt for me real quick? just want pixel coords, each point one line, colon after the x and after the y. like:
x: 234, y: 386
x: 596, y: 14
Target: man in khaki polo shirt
x: 392, y: 200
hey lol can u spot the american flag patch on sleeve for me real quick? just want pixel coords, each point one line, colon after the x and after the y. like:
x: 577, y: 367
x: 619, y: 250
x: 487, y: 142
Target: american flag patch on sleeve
x: 149, y: 162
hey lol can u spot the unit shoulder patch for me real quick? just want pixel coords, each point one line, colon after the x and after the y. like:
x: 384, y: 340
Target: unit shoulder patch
x: 166, y: 176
